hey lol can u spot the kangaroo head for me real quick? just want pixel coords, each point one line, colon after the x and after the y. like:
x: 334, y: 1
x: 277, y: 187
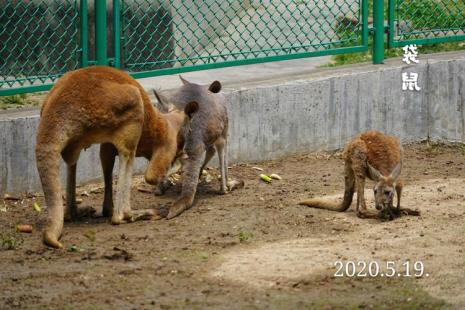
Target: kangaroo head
x: 384, y: 187
x: 177, y: 119
x: 214, y: 87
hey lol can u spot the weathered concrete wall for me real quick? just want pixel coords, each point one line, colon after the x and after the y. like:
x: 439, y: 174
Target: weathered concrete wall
x: 289, y: 115
x: 324, y: 113
x: 446, y: 98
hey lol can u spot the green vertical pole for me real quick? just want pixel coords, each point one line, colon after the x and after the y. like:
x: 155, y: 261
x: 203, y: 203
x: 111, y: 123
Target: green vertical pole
x: 378, y: 25
x: 116, y: 34
x: 84, y: 34
x: 101, y: 32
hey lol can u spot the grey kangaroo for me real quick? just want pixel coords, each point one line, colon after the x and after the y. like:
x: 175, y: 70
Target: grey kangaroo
x: 207, y: 134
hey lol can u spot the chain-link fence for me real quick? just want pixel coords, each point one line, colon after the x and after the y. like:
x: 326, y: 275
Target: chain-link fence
x: 426, y: 21
x: 42, y: 39
x: 214, y: 32
x: 38, y: 41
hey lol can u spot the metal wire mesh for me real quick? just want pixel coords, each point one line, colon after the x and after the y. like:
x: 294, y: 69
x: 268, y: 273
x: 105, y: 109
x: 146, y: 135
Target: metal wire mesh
x: 191, y: 33
x: 420, y: 19
x: 39, y: 41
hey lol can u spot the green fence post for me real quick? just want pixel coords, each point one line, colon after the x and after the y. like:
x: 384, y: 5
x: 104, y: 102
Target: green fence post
x: 101, y: 32
x: 116, y: 34
x: 84, y: 34
x: 378, y: 25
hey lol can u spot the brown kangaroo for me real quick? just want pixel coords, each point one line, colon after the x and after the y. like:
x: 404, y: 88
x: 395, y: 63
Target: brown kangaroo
x: 206, y: 134
x: 106, y: 106
x: 375, y: 156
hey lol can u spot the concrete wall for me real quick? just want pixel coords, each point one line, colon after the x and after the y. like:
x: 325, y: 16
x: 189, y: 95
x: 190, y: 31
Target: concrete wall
x: 274, y: 118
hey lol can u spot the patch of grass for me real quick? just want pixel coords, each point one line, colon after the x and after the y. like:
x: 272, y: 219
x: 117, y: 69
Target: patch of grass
x: 14, y: 100
x: 447, y: 14
x: 244, y: 236
x: 91, y: 235
x: 345, y: 59
x: 10, y: 241
x: 204, y: 256
x: 398, y: 52
x: 414, y: 12
x: 20, y: 101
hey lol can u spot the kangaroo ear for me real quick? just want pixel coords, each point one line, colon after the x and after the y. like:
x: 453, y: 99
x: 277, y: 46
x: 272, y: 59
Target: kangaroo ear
x: 164, y: 103
x: 215, y: 87
x: 396, y: 172
x: 191, y: 108
x: 374, y: 173
x: 183, y: 80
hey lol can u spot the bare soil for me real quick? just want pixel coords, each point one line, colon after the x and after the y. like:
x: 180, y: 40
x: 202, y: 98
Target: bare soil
x: 254, y: 248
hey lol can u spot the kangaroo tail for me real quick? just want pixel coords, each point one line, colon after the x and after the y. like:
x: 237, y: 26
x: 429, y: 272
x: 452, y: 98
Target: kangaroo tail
x: 48, y: 165
x: 324, y: 204
x: 334, y: 206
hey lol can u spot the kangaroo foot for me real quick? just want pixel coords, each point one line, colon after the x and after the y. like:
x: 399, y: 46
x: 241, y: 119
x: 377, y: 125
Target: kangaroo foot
x: 143, y: 215
x: 51, y: 239
x: 235, y: 184
x: 407, y: 211
x: 134, y: 216
x: 176, y: 209
x: 367, y: 215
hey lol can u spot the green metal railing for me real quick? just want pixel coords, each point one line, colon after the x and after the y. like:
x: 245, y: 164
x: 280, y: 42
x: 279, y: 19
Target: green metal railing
x: 425, y: 21
x: 42, y: 39
x: 194, y: 35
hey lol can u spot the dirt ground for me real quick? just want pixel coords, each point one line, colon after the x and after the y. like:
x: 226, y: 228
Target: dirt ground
x: 254, y: 248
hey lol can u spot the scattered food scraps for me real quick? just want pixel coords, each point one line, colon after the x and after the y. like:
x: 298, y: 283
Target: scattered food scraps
x: 275, y: 176
x: 257, y: 168
x: 37, y: 207
x: 24, y: 228
x: 265, y: 178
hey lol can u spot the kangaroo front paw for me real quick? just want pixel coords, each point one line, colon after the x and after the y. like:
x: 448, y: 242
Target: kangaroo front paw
x: 161, y: 188
x: 360, y: 214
